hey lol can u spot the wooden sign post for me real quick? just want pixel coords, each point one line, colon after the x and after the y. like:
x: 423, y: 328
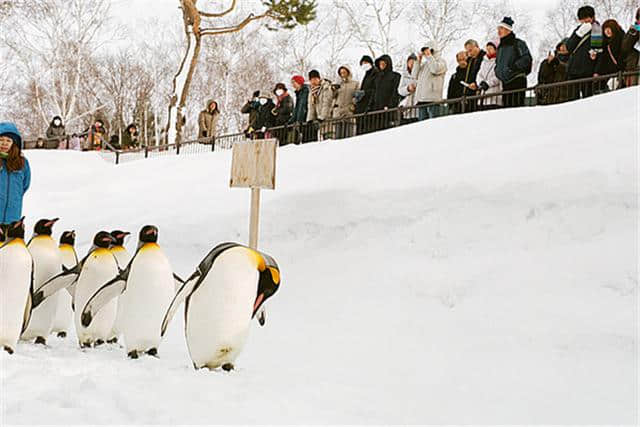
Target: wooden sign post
x: 253, y: 166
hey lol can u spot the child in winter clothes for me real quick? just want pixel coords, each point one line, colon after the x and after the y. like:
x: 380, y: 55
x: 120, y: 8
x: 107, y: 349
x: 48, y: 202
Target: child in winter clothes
x: 488, y: 82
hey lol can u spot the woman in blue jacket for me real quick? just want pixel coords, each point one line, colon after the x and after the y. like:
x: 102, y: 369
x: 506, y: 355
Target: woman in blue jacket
x: 15, y: 174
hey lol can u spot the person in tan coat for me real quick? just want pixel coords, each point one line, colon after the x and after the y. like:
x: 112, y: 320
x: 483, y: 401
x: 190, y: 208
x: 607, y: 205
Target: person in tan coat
x: 320, y: 99
x: 344, y: 102
x: 208, y: 120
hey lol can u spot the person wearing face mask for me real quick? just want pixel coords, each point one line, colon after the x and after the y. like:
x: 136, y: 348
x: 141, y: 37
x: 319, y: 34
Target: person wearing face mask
x: 366, y: 93
x: 208, y: 121
x: 488, y: 82
x: 582, y: 61
x: 264, y: 118
x: 15, y: 174
x: 454, y: 90
x: 282, y: 112
x: 631, y: 50
x: 429, y: 71
x: 56, y: 132
x: 251, y: 108
x: 554, y: 70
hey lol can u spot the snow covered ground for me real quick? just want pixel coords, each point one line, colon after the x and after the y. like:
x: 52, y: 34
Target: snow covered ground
x: 472, y: 269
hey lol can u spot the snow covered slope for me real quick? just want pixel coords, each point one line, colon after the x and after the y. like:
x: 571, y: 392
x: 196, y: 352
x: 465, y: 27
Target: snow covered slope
x: 472, y: 269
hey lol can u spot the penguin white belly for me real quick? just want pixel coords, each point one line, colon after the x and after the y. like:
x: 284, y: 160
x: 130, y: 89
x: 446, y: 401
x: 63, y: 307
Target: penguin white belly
x: 98, y: 269
x: 46, y: 263
x: 64, y: 312
x: 219, y: 311
x: 15, y: 279
x: 149, y: 292
x: 122, y: 257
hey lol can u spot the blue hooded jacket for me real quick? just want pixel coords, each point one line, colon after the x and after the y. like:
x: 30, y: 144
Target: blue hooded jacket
x: 13, y: 185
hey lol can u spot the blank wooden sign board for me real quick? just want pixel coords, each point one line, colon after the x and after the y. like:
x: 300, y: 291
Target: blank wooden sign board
x: 253, y: 165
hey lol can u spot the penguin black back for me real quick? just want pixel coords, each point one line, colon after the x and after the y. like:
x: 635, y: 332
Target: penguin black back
x: 16, y: 230
x: 149, y: 234
x: 119, y: 237
x: 103, y: 240
x: 68, y: 238
x: 44, y: 227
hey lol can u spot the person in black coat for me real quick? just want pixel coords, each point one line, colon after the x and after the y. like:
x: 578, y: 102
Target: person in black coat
x: 475, y: 55
x: 581, y: 62
x: 611, y: 60
x: 264, y: 117
x: 553, y: 70
x: 251, y: 108
x: 365, y: 95
x: 456, y: 89
x: 513, y: 64
x: 630, y: 53
x: 386, y: 97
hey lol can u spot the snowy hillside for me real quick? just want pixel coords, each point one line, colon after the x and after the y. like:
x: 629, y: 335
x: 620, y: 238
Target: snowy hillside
x: 472, y: 269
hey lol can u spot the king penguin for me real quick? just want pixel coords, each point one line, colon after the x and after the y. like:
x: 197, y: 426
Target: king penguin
x: 98, y: 267
x: 16, y: 285
x: 145, y: 289
x: 64, y: 314
x: 47, y: 262
x: 122, y: 257
x: 228, y: 288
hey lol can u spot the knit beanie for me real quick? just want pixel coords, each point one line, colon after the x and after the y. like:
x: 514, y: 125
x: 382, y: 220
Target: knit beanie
x: 506, y: 23
x: 298, y: 79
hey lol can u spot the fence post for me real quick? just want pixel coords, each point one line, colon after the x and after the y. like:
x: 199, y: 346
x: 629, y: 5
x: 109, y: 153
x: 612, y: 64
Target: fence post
x: 117, y: 157
x: 621, y: 82
x: 146, y: 152
x: 463, y: 104
x: 177, y: 149
x: 213, y: 144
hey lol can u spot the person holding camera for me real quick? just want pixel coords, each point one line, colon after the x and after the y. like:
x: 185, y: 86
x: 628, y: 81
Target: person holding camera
x: 429, y: 71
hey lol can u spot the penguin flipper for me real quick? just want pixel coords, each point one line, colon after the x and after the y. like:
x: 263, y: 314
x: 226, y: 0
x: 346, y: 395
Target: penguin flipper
x: 102, y: 297
x: 56, y: 283
x: 28, y: 309
x: 185, y: 290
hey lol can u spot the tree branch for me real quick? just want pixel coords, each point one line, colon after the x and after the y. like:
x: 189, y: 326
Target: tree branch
x: 219, y: 14
x: 234, y: 28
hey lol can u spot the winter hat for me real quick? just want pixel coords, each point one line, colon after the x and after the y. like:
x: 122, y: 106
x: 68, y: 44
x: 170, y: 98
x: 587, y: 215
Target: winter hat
x: 494, y: 43
x: 9, y: 129
x: 367, y: 59
x: 344, y: 67
x: 298, y: 79
x: 506, y: 23
x: 586, y: 12
x: 314, y: 74
x: 280, y: 86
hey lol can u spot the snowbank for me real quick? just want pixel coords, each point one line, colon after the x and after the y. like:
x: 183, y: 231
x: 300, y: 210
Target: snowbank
x: 471, y: 269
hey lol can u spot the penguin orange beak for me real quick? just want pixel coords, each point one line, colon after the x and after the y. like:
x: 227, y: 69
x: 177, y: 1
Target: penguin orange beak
x: 257, y: 304
x: 50, y: 223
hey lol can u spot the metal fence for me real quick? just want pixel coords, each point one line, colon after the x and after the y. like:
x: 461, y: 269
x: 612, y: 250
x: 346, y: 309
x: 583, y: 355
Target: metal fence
x: 301, y: 133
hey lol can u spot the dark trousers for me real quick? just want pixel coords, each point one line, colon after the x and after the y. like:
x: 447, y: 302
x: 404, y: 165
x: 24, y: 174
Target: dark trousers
x: 514, y: 99
x: 581, y: 90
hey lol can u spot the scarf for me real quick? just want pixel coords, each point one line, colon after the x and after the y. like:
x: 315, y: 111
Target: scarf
x: 4, y: 155
x: 596, y: 37
x: 315, y: 92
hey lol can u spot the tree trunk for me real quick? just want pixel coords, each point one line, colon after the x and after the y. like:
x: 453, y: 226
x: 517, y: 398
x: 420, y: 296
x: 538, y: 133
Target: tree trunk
x: 181, y: 83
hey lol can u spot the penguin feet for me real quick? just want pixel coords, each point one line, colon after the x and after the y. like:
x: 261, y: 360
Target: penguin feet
x: 98, y: 343
x: 133, y: 354
x: 8, y: 349
x: 113, y: 341
x: 62, y: 334
x: 228, y: 367
x: 153, y: 352
x: 41, y: 341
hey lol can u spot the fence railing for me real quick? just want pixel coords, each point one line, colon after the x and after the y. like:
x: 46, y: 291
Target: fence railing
x: 359, y: 124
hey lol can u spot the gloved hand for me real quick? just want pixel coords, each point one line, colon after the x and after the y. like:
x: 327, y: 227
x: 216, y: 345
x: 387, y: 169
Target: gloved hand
x: 484, y: 86
x: 583, y: 29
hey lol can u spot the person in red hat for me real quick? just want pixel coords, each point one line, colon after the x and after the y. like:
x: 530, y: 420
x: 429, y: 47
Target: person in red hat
x: 300, y: 110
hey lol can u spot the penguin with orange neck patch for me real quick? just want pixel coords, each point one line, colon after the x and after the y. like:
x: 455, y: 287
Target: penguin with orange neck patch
x: 16, y: 285
x: 64, y: 314
x: 47, y: 264
x: 144, y: 289
x: 228, y: 289
x: 123, y: 257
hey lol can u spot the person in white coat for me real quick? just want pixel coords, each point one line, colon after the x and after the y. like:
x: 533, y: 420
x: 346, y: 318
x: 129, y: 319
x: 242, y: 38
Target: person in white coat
x: 429, y: 70
x: 488, y: 82
x: 407, y: 90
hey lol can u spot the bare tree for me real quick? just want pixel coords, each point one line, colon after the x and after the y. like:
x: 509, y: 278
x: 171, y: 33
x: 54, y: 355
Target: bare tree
x: 199, y: 23
x: 52, y: 41
x: 490, y: 14
x: 374, y: 22
x: 446, y: 21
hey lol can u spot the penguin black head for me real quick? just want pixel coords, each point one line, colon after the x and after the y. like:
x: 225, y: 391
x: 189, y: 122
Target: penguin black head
x: 16, y: 230
x: 149, y: 234
x: 119, y: 236
x: 68, y: 238
x: 269, y: 281
x: 103, y: 240
x: 44, y: 227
